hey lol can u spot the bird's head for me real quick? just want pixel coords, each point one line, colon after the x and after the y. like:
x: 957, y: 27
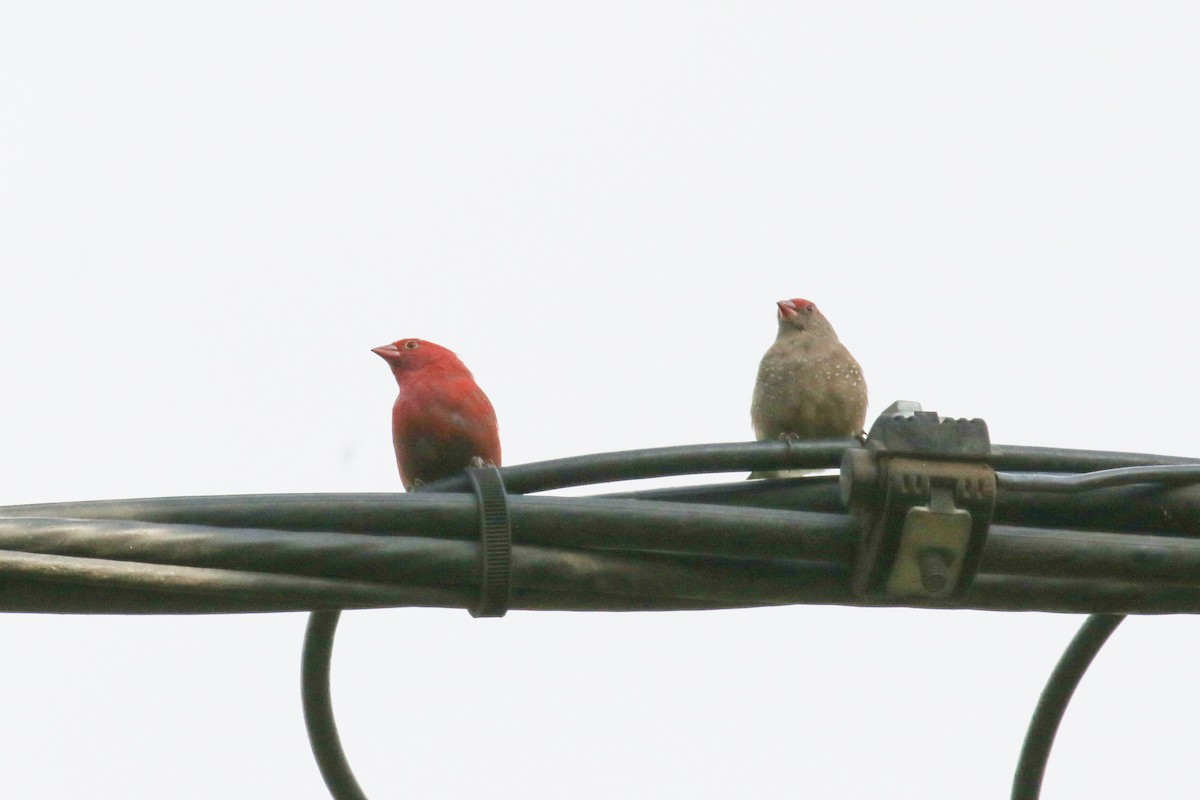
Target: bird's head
x: 798, y: 314
x: 409, y: 355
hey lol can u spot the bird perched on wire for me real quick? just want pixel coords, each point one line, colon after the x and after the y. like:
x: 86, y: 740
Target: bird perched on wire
x: 808, y: 386
x: 442, y: 422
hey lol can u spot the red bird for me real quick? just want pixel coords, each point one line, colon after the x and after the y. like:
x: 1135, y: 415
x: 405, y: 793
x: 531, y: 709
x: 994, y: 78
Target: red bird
x: 442, y: 421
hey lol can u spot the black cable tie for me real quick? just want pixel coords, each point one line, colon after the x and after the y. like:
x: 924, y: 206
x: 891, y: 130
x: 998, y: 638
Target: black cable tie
x: 495, y: 539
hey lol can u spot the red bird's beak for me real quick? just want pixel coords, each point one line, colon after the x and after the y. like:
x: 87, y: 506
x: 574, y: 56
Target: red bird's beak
x: 786, y: 309
x: 386, y: 351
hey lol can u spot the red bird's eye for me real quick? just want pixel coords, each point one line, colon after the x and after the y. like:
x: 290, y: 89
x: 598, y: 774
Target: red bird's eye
x: 411, y: 344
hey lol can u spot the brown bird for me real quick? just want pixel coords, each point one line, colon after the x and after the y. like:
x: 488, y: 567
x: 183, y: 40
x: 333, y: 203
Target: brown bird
x: 809, y: 386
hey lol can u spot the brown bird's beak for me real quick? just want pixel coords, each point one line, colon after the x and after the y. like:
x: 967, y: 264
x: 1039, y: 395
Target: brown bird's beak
x: 786, y: 309
x: 386, y: 351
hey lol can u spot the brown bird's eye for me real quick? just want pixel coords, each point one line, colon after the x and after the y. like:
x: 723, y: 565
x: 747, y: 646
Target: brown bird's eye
x: 411, y: 344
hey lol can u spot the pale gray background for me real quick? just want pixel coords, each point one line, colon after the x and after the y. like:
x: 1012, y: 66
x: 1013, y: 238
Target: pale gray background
x: 210, y: 213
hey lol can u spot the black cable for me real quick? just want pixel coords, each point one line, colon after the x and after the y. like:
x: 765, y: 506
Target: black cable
x: 302, y: 592
x: 322, y: 626
x: 1031, y: 766
x: 1057, y: 459
x: 665, y: 548
x: 270, y: 523
x: 659, y: 462
x: 598, y: 525
x: 1127, y: 544
x: 1124, y: 476
x: 749, y: 543
x: 376, y: 512
x: 1140, y: 507
x: 318, y: 707
x: 590, y: 554
x: 751, y: 456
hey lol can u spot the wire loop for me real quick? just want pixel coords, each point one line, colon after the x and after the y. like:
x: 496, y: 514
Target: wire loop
x: 318, y: 707
x: 1052, y: 705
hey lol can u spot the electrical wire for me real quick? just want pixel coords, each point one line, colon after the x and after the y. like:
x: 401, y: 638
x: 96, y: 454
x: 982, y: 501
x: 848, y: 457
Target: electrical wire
x: 716, y: 546
x: 1072, y: 531
x: 660, y: 462
x: 1052, y: 705
x: 1125, y: 476
x: 317, y: 700
x: 571, y: 553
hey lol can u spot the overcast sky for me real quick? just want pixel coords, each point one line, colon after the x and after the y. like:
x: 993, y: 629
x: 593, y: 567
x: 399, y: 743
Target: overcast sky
x: 210, y: 213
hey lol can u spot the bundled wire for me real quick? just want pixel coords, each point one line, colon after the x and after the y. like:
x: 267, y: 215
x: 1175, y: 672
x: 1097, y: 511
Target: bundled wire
x: 1073, y: 531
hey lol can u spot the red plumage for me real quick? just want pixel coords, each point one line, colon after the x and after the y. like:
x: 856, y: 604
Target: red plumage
x: 442, y: 422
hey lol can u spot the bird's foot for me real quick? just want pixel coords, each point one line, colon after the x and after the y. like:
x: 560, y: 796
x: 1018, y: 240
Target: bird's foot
x: 478, y: 462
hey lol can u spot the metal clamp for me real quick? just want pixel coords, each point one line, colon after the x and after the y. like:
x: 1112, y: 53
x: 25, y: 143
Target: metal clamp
x: 495, y: 539
x: 926, y: 495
